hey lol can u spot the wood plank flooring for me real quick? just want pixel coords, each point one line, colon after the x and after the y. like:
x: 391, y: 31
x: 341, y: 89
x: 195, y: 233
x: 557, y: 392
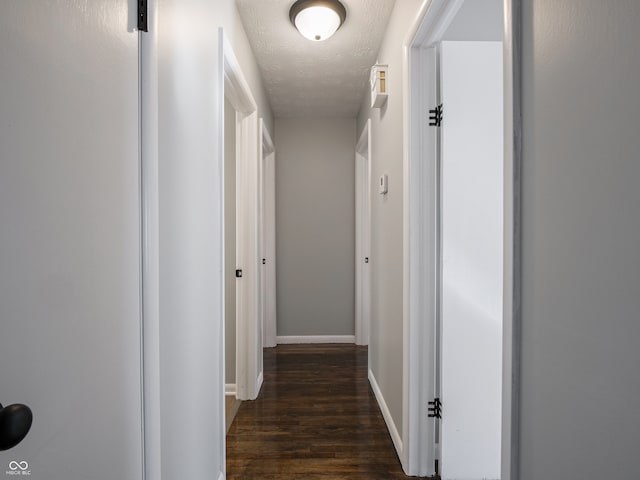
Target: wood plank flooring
x: 315, y: 418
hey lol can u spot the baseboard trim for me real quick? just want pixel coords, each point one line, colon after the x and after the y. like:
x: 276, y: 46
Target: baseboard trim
x: 259, y: 383
x: 316, y: 339
x: 386, y: 414
x: 230, y: 389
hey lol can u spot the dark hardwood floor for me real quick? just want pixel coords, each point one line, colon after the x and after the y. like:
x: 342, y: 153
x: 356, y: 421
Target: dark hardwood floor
x: 316, y: 418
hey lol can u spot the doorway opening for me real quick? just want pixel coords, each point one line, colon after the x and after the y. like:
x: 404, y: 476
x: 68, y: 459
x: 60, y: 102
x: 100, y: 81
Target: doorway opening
x: 461, y: 241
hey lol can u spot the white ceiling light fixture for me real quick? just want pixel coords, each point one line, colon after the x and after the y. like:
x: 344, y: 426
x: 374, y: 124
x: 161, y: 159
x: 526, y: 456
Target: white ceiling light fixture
x: 317, y: 20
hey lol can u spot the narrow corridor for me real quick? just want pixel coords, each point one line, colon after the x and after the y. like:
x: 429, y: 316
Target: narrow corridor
x: 316, y: 418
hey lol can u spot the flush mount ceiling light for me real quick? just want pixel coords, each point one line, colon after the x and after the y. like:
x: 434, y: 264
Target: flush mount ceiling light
x: 317, y: 20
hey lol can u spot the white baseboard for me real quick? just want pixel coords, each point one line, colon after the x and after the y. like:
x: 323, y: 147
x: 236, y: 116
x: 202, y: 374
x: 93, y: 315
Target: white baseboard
x: 316, y: 339
x: 230, y: 389
x: 386, y: 414
x: 259, y: 383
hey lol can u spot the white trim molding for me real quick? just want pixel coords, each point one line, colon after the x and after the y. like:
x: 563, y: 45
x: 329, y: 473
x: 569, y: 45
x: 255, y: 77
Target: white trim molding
x: 512, y: 241
x: 420, y: 286
x: 386, y: 414
x: 316, y: 339
x: 259, y: 383
x: 230, y: 389
x: 150, y: 246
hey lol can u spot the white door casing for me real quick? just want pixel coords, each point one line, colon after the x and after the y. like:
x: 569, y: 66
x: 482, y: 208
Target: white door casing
x: 421, y: 267
x: 363, y: 236
x: 150, y: 232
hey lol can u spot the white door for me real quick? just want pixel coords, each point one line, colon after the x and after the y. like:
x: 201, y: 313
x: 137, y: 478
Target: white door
x: 268, y: 238
x: 70, y: 237
x: 270, y: 248
x: 363, y: 236
x: 471, y: 236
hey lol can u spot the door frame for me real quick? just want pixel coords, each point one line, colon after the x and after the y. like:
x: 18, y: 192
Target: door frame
x: 421, y: 245
x: 150, y: 245
x: 267, y: 159
x: 235, y: 88
x: 363, y: 235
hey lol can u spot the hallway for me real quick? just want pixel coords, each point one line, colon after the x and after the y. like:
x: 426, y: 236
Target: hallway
x: 315, y: 418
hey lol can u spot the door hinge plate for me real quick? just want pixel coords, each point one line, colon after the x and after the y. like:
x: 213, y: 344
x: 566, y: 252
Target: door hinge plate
x: 435, y: 408
x: 435, y: 116
x: 143, y: 16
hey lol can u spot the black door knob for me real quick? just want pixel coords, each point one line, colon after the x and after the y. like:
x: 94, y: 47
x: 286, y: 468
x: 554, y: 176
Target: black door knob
x: 15, y: 422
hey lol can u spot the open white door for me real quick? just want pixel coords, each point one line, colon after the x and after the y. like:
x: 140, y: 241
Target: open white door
x: 268, y: 237
x: 472, y: 257
x: 70, y: 243
x: 363, y: 236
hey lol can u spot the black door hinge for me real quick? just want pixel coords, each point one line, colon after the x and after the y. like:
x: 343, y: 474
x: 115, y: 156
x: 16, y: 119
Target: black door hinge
x: 435, y: 408
x: 239, y: 273
x: 435, y: 116
x: 142, y: 16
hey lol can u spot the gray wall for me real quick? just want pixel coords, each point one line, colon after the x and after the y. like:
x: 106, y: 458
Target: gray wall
x: 477, y: 20
x: 385, y: 343
x: 581, y: 228
x: 229, y: 242
x: 315, y: 225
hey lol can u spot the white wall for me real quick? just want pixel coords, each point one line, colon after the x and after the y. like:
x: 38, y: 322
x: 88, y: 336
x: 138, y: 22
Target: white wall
x: 315, y: 224
x: 191, y: 220
x: 581, y: 230
x: 230, y: 242
x: 385, y: 343
x: 70, y: 237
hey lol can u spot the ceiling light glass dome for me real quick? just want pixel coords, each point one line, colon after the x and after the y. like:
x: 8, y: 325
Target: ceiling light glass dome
x: 317, y: 20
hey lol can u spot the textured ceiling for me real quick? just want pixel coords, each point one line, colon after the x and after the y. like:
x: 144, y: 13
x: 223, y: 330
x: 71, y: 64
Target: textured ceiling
x: 305, y: 78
